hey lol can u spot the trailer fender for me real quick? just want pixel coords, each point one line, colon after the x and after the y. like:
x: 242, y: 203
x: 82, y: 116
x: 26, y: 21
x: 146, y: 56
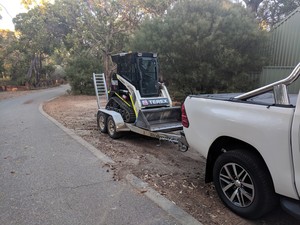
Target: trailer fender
x: 120, y: 124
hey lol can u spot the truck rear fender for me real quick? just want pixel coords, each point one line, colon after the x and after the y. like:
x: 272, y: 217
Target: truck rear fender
x: 224, y: 144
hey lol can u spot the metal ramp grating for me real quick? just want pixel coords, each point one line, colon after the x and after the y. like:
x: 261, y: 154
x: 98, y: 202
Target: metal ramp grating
x: 100, y: 87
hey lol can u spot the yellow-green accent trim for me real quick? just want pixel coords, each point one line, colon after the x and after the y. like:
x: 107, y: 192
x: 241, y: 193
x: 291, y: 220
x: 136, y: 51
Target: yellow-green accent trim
x: 123, y: 99
x: 133, y: 106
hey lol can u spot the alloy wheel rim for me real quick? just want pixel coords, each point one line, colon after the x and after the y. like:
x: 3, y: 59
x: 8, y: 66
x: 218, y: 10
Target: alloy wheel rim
x: 111, y: 127
x: 101, y: 122
x: 237, y: 185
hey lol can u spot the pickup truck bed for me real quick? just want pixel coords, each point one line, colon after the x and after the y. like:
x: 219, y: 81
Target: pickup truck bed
x: 265, y: 99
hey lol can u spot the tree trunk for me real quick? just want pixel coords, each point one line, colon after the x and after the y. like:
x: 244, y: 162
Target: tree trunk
x: 29, y: 73
x: 38, y: 67
x: 35, y: 68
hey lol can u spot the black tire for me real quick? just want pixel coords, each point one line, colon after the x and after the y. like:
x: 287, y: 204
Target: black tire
x: 243, y: 183
x: 102, y: 122
x: 111, y: 128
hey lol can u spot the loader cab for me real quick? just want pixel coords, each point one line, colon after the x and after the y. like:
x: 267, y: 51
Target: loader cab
x: 141, y: 70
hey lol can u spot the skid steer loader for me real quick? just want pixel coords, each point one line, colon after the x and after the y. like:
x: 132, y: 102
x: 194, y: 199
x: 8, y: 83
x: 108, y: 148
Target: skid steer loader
x: 138, y: 96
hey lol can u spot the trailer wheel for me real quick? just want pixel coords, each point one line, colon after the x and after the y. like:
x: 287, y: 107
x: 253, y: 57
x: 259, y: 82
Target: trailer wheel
x: 243, y: 183
x: 111, y: 128
x: 102, y: 122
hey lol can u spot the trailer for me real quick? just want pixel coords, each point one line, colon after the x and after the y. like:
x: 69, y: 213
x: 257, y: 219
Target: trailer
x: 162, y: 123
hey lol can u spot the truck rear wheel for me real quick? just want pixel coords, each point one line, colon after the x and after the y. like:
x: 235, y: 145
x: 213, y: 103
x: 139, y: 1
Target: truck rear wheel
x: 111, y: 128
x: 243, y: 183
x: 102, y: 122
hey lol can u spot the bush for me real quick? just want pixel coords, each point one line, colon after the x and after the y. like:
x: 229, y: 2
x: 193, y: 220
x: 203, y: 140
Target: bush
x: 204, y: 46
x: 80, y: 73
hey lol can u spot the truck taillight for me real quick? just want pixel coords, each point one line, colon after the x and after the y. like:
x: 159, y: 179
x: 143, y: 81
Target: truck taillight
x: 184, y: 118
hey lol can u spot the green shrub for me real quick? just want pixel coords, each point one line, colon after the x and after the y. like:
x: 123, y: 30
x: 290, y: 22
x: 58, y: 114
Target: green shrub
x: 80, y: 73
x: 210, y: 46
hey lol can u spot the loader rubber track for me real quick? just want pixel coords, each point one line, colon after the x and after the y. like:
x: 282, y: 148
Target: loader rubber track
x: 119, y: 106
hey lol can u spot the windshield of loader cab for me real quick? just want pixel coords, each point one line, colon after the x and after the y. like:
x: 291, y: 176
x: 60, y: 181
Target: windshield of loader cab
x: 149, y: 81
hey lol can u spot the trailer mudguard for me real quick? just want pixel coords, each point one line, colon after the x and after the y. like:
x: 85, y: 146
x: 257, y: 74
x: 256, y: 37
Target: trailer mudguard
x: 120, y: 124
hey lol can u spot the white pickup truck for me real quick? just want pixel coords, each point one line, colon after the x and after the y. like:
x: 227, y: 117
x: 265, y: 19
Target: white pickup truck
x: 252, y: 145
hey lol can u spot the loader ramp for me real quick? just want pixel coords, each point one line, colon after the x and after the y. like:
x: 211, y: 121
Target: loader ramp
x: 100, y: 88
x: 160, y: 119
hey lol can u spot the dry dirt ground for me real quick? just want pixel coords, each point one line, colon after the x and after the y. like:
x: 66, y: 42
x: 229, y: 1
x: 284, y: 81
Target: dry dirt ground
x: 176, y: 175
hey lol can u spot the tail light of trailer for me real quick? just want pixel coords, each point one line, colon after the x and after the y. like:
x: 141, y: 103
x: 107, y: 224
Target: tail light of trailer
x: 184, y: 118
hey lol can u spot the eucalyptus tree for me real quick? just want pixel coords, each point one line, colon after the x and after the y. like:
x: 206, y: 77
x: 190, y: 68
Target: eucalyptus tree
x: 253, y: 5
x: 106, y: 25
x: 270, y: 12
x: 76, y: 29
x: 11, y: 59
x: 5, y: 41
x: 100, y: 28
x: 28, y: 4
x: 273, y: 11
x: 40, y: 32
